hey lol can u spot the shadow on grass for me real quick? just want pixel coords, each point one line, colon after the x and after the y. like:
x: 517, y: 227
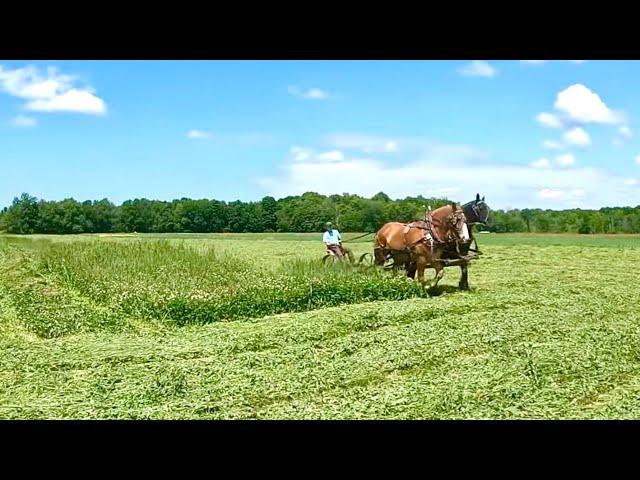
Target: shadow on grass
x: 440, y: 289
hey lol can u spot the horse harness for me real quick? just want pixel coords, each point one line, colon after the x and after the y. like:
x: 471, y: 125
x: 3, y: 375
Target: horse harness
x: 431, y: 235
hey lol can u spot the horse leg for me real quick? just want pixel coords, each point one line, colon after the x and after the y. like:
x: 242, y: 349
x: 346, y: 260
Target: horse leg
x: 396, y: 265
x: 439, y: 273
x: 411, y: 269
x: 421, y: 264
x: 464, y: 278
x: 379, y: 256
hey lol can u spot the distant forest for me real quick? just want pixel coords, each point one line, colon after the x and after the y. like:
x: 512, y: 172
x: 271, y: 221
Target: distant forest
x: 303, y: 213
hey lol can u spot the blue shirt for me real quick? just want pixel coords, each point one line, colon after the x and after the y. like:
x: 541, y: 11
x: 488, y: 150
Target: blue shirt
x: 332, y: 237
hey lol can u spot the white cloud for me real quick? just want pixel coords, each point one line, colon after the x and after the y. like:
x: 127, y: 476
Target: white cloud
x: 625, y: 131
x: 478, y: 68
x: 391, y: 147
x: 582, y: 105
x: 541, y: 163
x: 370, y: 144
x: 242, y: 139
x: 552, y: 145
x: 551, y: 193
x: 27, y: 82
x: 631, y: 181
x: 364, y: 143
x: 443, y: 170
x: 332, y: 156
x: 300, y: 154
x: 23, y: 121
x: 303, y: 154
x: 572, y: 195
x: 577, y: 136
x: 74, y: 100
x: 565, y: 160
x: 316, y: 93
x: 542, y: 62
x: 310, y: 94
x: 638, y: 159
x: 548, y: 120
x: 198, y: 134
x: 52, y: 92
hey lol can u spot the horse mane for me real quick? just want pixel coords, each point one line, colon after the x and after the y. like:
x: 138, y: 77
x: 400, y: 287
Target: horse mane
x: 445, y: 207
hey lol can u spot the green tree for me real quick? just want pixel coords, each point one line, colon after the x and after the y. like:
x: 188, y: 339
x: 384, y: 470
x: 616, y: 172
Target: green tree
x: 23, y: 216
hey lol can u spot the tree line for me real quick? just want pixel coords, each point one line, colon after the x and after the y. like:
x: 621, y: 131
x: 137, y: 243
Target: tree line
x: 302, y: 213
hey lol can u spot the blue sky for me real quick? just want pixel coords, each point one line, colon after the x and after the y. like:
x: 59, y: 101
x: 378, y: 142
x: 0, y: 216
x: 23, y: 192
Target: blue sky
x: 554, y: 134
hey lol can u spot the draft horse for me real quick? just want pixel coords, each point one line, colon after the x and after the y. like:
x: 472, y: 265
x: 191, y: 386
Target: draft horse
x: 422, y: 243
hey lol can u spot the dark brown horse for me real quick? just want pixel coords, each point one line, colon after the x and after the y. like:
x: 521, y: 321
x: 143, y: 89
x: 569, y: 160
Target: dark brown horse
x: 422, y: 243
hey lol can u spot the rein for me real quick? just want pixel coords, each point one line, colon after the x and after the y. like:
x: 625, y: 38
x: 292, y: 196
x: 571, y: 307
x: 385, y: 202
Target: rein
x: 356, y: 238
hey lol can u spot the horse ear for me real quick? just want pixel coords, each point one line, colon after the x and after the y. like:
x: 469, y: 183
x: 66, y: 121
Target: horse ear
x: 454, y: 205
x: 483, y: 198
x: 477, y: 197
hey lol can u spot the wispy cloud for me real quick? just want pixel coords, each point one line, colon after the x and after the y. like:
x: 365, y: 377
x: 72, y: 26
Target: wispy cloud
x: 242, y: 138
x: 478, y: 68
x: 565, y: 160
x: 50, y: 92
x: 313, y: 93
x: 304, y: 154
x: 625, y: 131
x: 542, y: 62
x: 548, y: 120
x: 23, y: 121
x: 435, y: 173
x: 196, y: 134
x: 551, y: 193
x: 365, y: 143
x: 331, y: 156
x: 552, y: 145
x: 541, y: 163
x: 357, y: 144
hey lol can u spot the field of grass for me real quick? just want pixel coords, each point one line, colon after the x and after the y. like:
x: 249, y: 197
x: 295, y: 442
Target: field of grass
x: 226, y: 326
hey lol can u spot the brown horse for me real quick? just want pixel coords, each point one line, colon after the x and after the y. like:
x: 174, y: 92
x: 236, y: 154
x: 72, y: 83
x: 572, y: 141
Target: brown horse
x: 421, y: 244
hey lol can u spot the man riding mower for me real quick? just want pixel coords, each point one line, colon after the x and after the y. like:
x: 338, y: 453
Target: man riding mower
x: 333, y: 241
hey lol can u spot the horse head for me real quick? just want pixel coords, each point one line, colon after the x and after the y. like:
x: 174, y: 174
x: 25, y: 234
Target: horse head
x: 451, y: 221
x: 458, y: 222
x: 477, y: 211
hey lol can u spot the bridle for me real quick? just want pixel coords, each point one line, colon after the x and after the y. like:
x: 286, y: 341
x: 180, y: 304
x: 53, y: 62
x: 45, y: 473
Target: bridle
x: 457, y: 220
x: 476, y: 211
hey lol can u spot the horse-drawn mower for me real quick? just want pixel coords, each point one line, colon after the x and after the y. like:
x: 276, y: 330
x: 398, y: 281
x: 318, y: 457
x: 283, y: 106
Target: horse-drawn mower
x: 443, y: 239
